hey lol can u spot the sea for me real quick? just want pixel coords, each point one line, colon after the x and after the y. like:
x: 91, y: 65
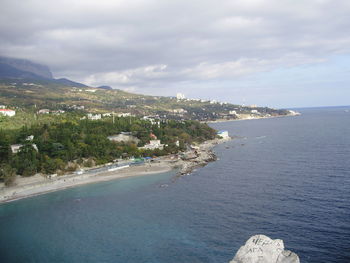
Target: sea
x: 287, y: 178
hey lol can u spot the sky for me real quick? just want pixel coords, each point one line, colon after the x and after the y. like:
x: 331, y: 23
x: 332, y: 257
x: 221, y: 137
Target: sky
x: 276, y: 53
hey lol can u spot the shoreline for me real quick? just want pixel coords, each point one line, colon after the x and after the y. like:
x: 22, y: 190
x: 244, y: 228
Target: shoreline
x: 251, y: 118
x: 38, y: 184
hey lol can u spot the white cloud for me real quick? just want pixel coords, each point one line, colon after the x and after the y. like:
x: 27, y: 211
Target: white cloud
x: 160, y: 43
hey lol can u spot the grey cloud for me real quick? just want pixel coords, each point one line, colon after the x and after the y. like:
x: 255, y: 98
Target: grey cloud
x: 158, y: 43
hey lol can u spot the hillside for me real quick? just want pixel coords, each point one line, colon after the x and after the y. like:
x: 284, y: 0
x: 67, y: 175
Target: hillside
x: 23, y: 68
x: 25, y: 93
x: 29, y: 88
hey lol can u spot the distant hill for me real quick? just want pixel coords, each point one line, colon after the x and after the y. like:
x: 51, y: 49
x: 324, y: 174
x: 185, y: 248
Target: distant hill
x: 68, y: 82
x: 105, y: 87
x: 26, y: 66
x: 8, y: 71
x: 14, y: 68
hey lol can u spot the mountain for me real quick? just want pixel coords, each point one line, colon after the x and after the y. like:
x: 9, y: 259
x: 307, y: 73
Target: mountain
x: 7, y: 71
x: 25, y: 67
x: 105, y: 87
x: 68, y: 82
x: 14, y: 68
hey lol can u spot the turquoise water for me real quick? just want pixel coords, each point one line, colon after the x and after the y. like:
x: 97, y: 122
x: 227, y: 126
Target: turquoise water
x: 287, y: 178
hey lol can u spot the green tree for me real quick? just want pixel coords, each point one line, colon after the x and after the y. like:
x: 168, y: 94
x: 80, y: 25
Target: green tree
x: 7, y: 174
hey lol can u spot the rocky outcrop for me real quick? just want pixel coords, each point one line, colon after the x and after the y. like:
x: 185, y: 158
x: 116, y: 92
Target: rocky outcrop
x: 262, y: 249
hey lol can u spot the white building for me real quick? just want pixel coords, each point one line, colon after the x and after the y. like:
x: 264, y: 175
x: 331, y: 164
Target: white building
x: 232, y: 112
x: 44, y: 111
x: 180, y: 96
x: 255, y: 112
x: 7, y: 112
x: 94, y: 117
x: 125, y: 114
x: 153, y: 144
x: 179, y: 111
x: 123, y: 137
x: 16, y: 147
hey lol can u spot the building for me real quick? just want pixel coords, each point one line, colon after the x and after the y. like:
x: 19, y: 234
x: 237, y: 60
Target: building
x: 7, y: 112
x: 179, y: 111
x: 255, y: 112
x: 151, y: 119
x: 232, y: 112
x: 77, y: 107
x: 180, y: 96
x: 125, y: 114
x: 223, y: 134
x: 30, y: 138
x: 153, y: 144
x: 16, y: 147
x: 94, y: 117
x: 58, y: 112
x: 123, y: 137
x: 44, y: 111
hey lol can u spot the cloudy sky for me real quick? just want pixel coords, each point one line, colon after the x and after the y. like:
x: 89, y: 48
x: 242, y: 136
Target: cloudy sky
x: 280, y: 53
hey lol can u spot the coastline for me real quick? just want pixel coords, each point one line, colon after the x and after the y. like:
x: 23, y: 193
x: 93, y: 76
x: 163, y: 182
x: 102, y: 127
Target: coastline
x: 38, y: 184
x: 252, y: 118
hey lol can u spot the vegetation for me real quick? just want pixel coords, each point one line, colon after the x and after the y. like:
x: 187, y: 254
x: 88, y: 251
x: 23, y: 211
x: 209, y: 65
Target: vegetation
x: 29, y: 96
x: 63, y: 145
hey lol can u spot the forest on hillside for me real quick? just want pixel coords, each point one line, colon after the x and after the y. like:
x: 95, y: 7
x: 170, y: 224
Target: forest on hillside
x: 66, y: 145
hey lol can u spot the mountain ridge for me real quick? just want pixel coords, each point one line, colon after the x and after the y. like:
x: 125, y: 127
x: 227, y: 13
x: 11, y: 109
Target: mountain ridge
x: 15, y: 68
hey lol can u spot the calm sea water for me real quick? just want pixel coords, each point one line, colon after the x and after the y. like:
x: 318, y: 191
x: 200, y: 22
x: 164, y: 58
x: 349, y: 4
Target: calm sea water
x: 288, y: 178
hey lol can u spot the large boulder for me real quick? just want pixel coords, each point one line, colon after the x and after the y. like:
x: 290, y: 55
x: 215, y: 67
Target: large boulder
x: 262, y: 249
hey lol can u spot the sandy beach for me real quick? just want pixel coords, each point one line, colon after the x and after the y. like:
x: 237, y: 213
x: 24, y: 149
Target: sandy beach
x: 39, y: 184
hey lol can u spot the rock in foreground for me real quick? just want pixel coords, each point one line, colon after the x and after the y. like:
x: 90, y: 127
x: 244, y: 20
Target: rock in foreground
x: 262, y: 249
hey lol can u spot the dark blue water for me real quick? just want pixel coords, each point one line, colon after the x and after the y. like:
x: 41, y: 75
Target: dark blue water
x: 287, y: 178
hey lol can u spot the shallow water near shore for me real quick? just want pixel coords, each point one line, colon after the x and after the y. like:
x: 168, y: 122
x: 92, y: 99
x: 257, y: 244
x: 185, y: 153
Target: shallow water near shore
x: 287, y: 178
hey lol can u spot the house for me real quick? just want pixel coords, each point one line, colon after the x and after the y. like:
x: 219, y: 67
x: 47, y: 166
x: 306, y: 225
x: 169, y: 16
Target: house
x: 126, y: 114
x: 179, y: 111
x: 58, y: 112
x: 94, y: 117
x: 180, y: 96
x: 16, y: 147
x: 30, y: 138
x: 7, y: 112
x: 254, y: 112
x: 44, y: 111
x: 153, y: 144
x: 223, y: 134
x: 232, y: 112
x: 77, y: 107
x: 151, y: 119
x: 123, y: 137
